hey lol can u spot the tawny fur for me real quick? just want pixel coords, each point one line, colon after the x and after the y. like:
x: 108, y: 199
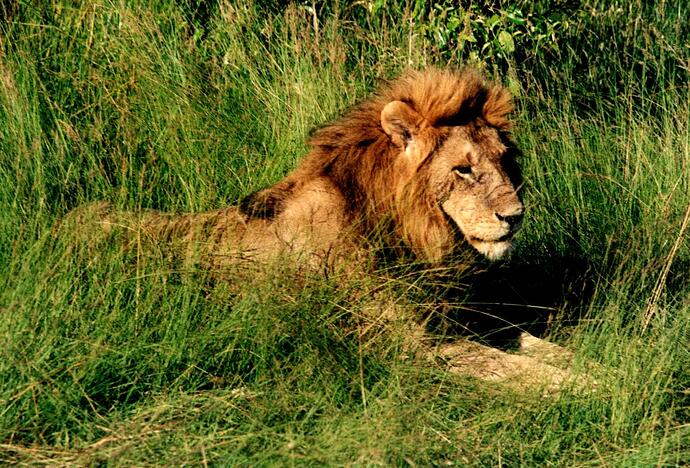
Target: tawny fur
x: 389, y: 166
x: 426, y: 165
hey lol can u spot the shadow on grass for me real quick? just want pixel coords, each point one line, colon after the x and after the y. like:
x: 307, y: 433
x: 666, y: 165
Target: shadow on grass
x: 504, y: 300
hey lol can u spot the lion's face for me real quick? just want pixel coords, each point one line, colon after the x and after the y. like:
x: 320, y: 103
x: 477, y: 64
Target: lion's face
x: 469, y: 171
x: 475, y: 180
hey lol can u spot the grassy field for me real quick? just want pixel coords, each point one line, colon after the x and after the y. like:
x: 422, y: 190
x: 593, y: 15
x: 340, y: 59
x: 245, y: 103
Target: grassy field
x: 109, y: 357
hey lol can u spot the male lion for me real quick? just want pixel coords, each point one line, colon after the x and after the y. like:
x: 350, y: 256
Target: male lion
x: 426, y: 162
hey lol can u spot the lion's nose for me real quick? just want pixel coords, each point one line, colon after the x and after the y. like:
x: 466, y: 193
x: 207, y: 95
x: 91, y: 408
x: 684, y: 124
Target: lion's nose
x: 512, y: 219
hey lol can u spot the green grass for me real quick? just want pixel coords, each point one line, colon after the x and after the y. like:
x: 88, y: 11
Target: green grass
x: 114, y: 358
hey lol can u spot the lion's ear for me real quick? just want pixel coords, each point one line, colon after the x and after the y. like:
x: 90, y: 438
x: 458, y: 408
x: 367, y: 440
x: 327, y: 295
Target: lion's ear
x: 400, y: 122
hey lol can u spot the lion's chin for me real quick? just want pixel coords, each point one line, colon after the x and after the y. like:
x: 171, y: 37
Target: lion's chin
x: 493, y: 250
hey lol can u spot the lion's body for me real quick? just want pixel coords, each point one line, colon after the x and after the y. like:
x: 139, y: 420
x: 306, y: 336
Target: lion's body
x: 423, y: 164
x: 310, y: 227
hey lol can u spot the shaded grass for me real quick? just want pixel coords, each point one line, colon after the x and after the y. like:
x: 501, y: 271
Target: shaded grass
x: 110, y: 356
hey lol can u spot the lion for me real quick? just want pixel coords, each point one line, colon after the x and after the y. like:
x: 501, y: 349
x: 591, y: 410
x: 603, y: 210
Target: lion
x: 427, y: 165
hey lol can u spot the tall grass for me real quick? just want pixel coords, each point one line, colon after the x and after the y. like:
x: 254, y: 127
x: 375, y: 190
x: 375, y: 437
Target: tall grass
x: 108, y: 356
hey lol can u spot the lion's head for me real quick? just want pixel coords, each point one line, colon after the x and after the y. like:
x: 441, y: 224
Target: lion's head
x: 461, y: 171
x: 431, y: 151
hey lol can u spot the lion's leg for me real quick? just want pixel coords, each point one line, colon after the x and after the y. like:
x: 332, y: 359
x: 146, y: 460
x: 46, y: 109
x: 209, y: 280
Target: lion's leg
x: 85, y: 224
x: 544, y: 351
x: 156, y: 225
x: 537, y: 364
x: 88, y: 225
x: 94, y: 221
x: 486, y: 363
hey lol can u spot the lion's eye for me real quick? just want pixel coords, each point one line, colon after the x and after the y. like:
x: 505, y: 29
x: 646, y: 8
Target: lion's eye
x: 463, y: 171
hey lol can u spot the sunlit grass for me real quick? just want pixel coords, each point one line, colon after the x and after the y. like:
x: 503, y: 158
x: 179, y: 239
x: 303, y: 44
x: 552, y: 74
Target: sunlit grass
x: 107, y: 356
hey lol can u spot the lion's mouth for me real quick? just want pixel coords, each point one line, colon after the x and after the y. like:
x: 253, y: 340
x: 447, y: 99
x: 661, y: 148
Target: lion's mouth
x: 493, y: 249
x: 506, y: 237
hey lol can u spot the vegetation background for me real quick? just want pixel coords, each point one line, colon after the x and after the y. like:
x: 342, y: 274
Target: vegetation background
x: 111, y: 357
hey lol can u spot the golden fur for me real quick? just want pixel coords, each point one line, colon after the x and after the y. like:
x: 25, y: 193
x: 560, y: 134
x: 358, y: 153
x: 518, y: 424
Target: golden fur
x: 423, y: 164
